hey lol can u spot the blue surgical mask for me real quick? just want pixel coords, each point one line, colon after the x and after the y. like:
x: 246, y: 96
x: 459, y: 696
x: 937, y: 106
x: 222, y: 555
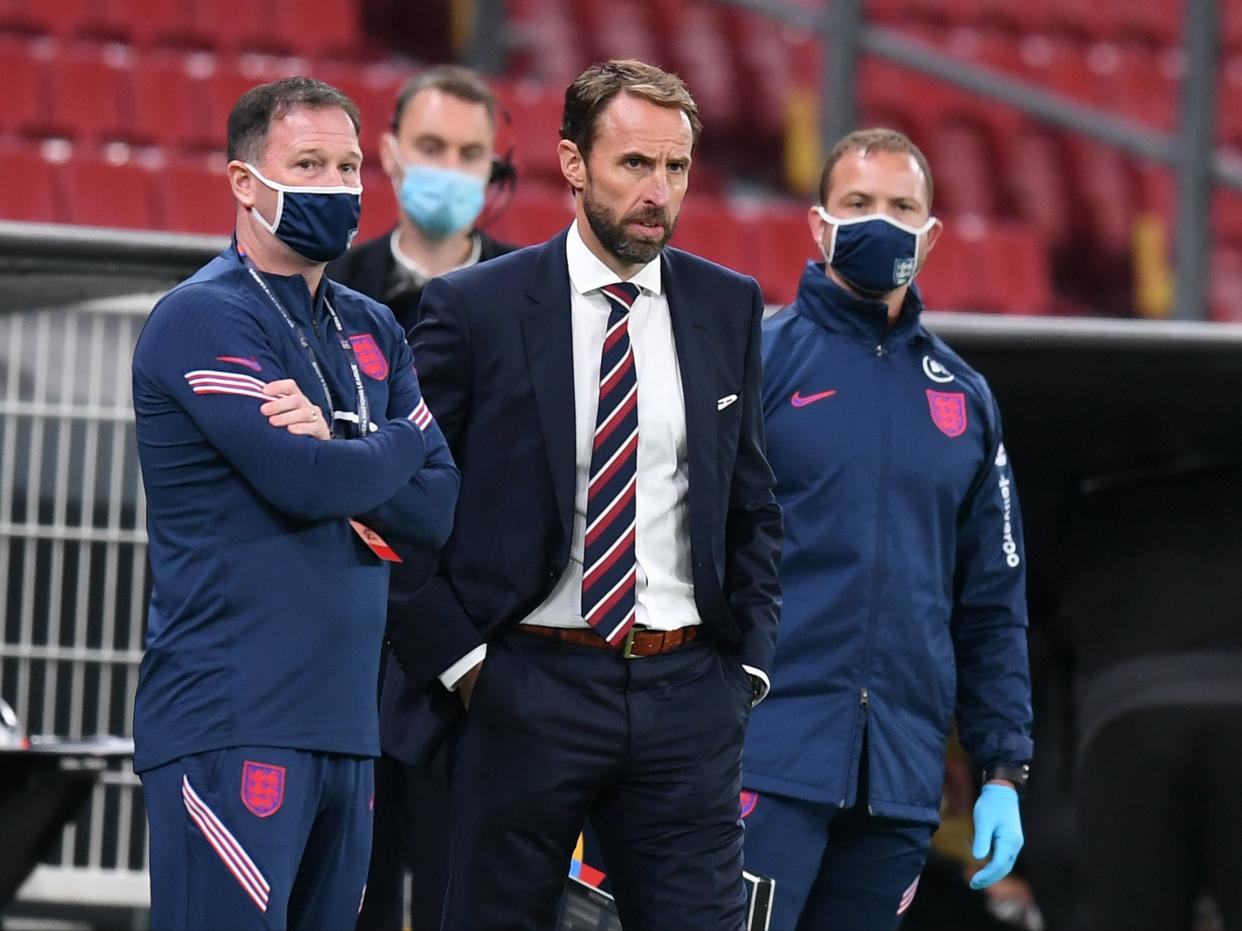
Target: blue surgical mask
x: 440, y: 201
x: 875, y: 254
x: 318, y: 223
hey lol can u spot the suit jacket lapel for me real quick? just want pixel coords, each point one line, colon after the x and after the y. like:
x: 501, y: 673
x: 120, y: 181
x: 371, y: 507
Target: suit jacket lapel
x: 547, y: 332
x: 690, y: 334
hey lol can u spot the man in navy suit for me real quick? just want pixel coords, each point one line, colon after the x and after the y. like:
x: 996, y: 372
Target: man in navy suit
x: 606, y: 607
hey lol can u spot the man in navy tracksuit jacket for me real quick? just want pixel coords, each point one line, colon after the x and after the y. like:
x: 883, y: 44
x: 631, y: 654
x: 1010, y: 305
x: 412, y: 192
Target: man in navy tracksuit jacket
x: 284, y: 446
x: 903, y: 570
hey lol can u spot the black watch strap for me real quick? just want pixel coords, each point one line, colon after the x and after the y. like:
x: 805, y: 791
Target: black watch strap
x: 1017, y: 773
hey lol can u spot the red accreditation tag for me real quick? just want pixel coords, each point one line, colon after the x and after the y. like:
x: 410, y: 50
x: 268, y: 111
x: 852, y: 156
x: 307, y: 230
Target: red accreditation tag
x: 375, y: 542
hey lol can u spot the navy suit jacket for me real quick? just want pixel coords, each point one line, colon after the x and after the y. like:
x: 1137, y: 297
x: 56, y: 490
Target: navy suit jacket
x: 494, y: 353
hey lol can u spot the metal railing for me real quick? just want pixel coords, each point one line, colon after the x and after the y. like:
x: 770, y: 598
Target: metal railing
x: 73, y: 569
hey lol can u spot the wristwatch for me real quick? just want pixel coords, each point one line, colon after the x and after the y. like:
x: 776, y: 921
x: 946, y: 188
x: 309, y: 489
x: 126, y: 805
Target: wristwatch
x: 1017, y: 773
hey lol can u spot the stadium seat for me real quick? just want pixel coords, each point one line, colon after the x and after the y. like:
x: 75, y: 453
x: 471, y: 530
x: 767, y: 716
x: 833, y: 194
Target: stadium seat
x: 1011, y: 264
x: 192, y: 195
x: 29, y: 188
x: 1229, y: 108
x: 92, y: 91
x: 1225, y: 290
x: 239, y: 26
x: 113, y: 193
x: 144, y: 23
x: 618, y: 29
x: 964, y: 166
x: 545, y: 43
x: 779, y: 245
x: 1156, y: 21
x: 534, y: 128
x: 707, y: 227
x: 1037, y: 180
x: 315, y: 29
x: 61, y: 18
x: 23, y: 104
x: 1149, y: 84
x: 379, y: 205
x: 1084, y: 21
x: 1108, y: 192
x: 170, y: 101
x: 700, y: 47
x: 373, y: 89
x: 536, y: 214
x: 944, y: 281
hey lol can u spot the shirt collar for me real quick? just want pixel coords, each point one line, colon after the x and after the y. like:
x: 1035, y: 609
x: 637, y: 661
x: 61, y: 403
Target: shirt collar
x: 836, y: 309
x: 420, y: 276
x: 587, y: 273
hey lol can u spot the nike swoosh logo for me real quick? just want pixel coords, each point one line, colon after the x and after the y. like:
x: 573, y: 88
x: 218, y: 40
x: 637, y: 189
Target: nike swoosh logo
x: 797, y: 400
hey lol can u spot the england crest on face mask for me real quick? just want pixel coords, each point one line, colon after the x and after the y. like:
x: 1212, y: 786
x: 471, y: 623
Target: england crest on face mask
x: 903, y: 270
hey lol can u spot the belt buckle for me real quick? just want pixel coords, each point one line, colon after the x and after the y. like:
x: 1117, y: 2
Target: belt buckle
x: 627, y: 645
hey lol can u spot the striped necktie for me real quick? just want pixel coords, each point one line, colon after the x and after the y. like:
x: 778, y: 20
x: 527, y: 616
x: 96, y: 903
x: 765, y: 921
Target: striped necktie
x: 608, y: 565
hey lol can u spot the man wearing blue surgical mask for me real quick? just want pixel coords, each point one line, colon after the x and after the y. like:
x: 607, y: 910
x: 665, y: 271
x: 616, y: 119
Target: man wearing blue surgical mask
x: 903, y: 572
x: 439, y: 154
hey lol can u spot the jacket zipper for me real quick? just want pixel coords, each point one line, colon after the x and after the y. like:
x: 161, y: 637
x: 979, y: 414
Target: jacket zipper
x: 864, y: 696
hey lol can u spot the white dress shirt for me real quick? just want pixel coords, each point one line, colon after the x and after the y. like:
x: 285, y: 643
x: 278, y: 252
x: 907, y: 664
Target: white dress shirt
x: 664, y: 588
x: 664, y: 584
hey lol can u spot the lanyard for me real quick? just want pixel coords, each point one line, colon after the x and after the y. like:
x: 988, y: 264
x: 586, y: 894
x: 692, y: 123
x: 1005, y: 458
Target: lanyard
x: 363, y: 417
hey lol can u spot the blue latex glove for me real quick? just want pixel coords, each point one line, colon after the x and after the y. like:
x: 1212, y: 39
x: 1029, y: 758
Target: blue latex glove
x: 998, y: 830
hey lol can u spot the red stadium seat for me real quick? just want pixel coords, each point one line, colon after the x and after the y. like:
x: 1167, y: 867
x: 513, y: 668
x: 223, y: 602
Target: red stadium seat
x: 536, y: 214
x: 780, y: 244
x: 706, y: 227
x: 29, y: 188
x: 945, y: 279
x: 23, y: 103
x: 315, y: 29
x: 700, y: 48
x: 193, y: 195
x: 1149, y: 84
x: 534, y: 129
x: 62, y: 18
x: 1085, y: 21
x: 965, y: 165
x: 619, y: 29
x: 1225, y: 294
x: 373, y: 89
x: 1229, y: 109
x: 1012, y: 263
x: 107, y: 193
x: 238, y: 26
x: 170, y: 101
x: 1156, y: 21
x: 379, y: 204
x: 1038, y: 184
x: 145, y: 23
x: 92, y: 90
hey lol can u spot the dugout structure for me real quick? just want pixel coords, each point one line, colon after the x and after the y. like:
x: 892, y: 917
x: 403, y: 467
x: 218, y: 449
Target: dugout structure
x: 1079, y: 398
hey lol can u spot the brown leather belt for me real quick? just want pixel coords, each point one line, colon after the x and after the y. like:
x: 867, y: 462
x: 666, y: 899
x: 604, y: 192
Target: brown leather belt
x: 636, y: 643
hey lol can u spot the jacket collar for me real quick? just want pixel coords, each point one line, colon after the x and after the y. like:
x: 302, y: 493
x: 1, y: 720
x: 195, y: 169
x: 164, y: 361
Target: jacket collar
x: 291, y: 290
x: 835, y: 309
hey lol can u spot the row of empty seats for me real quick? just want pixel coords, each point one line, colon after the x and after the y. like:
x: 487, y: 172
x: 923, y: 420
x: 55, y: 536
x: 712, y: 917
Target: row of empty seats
x: 978, y: 266
x: 305, y: 27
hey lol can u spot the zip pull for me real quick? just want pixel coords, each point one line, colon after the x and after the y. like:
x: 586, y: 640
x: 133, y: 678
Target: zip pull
x: 863, y: 698
x: 879, y: 350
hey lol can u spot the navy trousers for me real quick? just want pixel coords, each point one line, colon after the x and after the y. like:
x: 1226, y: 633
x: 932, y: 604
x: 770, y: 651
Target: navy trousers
x: 258, y: 837
x: 835, y: 868
x: 650, y: 749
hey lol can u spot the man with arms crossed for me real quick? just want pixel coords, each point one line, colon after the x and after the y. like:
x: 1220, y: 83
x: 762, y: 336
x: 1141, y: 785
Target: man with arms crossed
x: 283, y: 442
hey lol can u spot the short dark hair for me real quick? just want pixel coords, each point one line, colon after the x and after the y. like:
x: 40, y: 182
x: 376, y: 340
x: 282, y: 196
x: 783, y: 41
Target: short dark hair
x: 454, y: 80
x: 256, y: 110
x: 877, y: 139
x: 590, y: 93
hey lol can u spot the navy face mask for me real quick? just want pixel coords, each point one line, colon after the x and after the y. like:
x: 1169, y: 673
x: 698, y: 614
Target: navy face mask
x: 318, y: 223
x: 875, y: 254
